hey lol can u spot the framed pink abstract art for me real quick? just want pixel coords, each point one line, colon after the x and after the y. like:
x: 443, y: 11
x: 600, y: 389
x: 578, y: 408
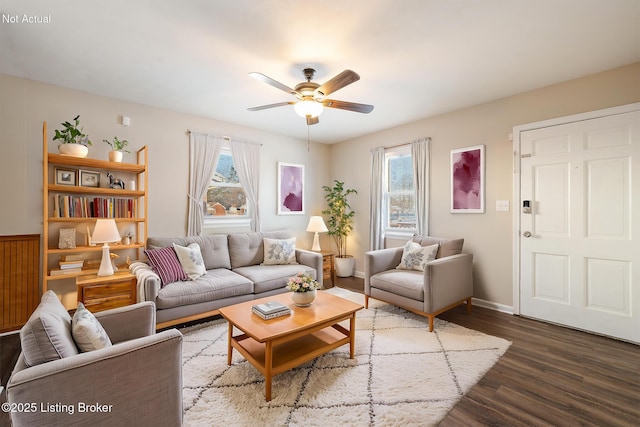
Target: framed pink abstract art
x: 290, y: 189
x: 467, y: 180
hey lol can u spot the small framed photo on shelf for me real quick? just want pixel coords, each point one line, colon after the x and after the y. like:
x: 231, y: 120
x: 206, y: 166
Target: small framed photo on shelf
x: 65, y: 176
x: 89, y: 178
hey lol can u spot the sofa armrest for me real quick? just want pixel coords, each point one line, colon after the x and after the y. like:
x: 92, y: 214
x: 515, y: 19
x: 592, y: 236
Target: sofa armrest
x: 447, y: 280
x: 311, y: 259
x: 129, y: 322
x: 117, y: 378
x: 148, y: 281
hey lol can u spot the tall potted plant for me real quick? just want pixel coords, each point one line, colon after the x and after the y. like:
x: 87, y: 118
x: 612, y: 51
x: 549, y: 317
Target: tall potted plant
x: 73, y: 141
x: 340, y: 224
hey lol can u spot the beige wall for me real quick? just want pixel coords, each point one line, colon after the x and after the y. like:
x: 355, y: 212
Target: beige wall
x: 488, y: 236
x: 26, y: 104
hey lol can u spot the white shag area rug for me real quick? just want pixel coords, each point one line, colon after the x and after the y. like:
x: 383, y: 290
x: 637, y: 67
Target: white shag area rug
x: 402, y: 375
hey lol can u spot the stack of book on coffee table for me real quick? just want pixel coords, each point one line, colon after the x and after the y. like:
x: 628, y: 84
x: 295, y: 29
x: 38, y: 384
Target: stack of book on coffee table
x: 271, y: 310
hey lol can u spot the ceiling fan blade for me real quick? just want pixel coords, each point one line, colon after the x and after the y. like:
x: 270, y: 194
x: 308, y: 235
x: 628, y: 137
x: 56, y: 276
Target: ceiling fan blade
x: 312, y: 120
x: 270, y: 81
x: 351, y: 106
x: 264, y: 107
x: 338, y: 82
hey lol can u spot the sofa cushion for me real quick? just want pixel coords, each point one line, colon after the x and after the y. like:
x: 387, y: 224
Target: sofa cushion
x: 191, y: 260
x: 216, y: 284
x: 248, y: 248
x: 415, y: 256
x: 47, y: 334
x: 407, y: 283
x: 269, y: 277
x: 87, y: 331
x: 279, y: 251
x: 448, y: 247
x: 213, y: 247
x: 165, y: 263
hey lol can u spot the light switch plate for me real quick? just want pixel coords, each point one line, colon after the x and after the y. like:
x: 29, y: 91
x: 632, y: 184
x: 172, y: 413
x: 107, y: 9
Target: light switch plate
x: 502, y: 205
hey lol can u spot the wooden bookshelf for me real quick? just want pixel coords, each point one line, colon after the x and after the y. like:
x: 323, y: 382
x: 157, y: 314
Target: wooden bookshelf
x: 53, y: 222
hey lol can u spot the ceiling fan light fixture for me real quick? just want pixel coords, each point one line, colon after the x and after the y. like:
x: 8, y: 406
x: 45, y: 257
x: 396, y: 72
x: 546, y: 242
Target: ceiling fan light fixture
x: 308, y: 108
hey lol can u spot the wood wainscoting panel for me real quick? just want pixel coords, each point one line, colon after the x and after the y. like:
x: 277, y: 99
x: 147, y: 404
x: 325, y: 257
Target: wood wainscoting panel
x: 19, y: 279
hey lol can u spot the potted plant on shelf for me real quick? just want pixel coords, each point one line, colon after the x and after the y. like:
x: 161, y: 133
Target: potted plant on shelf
x: 73, y: 141
x: 340, y: 224
x: 117, y: 148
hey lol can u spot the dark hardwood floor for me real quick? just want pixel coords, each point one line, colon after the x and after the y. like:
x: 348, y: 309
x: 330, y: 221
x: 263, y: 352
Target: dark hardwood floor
x: 550, y: 376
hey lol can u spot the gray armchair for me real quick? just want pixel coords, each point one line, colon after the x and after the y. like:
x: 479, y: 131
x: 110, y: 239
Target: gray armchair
x: 446, y: 281
x: 137, y: 381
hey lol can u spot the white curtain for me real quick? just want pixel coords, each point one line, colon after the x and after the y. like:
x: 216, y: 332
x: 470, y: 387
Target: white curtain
x: 204, y: 151
x: 376, y: 210
x: 420, y: 158
x: 246, y: 158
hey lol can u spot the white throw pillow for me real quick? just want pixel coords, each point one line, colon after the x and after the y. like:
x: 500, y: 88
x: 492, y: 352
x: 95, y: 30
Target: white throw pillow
x: 87, y: 331
x: 414, y: 256
x: 190, y: 258
x: 279, y: 251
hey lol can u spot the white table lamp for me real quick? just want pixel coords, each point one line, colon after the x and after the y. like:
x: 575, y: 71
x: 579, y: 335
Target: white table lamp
x: 316, y: 225
x: 105, y: 232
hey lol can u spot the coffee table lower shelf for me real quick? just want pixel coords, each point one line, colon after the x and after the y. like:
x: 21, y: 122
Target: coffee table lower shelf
x: 294, y: 353
x: 272, y: 358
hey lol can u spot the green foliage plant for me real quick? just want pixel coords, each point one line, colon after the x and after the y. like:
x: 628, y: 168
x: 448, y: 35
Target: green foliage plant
x: 118, y: 145
x: 340, y: 222
x: 72, y: 133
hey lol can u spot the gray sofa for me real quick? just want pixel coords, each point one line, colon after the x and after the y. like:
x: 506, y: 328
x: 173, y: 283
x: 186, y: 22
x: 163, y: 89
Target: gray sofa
x: 53, y: 384
x: 234, y: 274
x: 444, y: 283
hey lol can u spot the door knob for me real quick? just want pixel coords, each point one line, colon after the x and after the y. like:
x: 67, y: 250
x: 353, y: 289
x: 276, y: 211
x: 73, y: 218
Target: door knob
x: 527, y: 234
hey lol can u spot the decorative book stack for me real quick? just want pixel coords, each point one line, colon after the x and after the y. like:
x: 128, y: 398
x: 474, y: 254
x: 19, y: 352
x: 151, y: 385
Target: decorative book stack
x: 271, y: 310
x: 69, y: 264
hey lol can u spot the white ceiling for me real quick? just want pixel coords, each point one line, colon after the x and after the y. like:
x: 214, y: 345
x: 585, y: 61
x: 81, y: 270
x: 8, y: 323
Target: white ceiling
x: 416, y: 58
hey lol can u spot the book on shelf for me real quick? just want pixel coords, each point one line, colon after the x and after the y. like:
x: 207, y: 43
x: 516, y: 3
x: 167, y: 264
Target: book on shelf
x: 71, y: 258
x: 65, y: 265
x: 66, y: 271
x: 271, y: 315
x: 270, y: 307
x: 68, y: 206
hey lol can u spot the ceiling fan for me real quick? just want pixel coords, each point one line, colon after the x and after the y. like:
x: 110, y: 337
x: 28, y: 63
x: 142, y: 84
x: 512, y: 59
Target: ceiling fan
x: 311, y: 96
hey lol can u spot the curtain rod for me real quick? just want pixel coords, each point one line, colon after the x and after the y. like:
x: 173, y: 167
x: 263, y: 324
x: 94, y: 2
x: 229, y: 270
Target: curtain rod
x: 428, y: 138
x: 228, y: 138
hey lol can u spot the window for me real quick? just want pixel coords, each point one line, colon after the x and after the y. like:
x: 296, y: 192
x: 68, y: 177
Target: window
x: 399, y: 195
x: 225, y: 197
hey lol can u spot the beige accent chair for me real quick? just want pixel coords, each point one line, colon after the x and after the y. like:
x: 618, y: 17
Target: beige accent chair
x: 135, y: 382
x: 446, y: 281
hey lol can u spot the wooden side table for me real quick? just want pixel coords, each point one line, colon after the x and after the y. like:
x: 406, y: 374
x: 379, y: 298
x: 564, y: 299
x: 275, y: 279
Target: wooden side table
x: 99, y: 293
x: 328, y: 268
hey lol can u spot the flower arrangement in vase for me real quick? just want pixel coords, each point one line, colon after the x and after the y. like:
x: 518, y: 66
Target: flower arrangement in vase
x: 303, y: 289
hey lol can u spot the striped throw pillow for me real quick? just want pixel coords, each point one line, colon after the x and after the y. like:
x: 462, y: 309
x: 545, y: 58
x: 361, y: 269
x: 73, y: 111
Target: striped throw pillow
x: 166, y: 265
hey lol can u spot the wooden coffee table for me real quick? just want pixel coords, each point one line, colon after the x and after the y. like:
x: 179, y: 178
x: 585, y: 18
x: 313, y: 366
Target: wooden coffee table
x: 277, y: 345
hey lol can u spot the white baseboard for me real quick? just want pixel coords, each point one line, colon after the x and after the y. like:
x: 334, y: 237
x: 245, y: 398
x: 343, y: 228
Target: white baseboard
x: 492, y: 305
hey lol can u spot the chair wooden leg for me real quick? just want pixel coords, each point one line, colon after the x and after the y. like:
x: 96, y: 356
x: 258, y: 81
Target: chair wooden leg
x: 430, y: 316
x: 469, y: 305
x: 366, y: 301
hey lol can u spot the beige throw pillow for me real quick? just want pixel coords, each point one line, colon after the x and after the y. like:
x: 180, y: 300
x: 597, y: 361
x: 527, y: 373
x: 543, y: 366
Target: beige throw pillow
x: 87, y: 331
x: 190, y: 258
x: 414, y: 256
x: 279, y: 251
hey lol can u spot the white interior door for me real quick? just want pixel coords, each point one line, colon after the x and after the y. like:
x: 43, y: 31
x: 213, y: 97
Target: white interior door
x: 580, y: 243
